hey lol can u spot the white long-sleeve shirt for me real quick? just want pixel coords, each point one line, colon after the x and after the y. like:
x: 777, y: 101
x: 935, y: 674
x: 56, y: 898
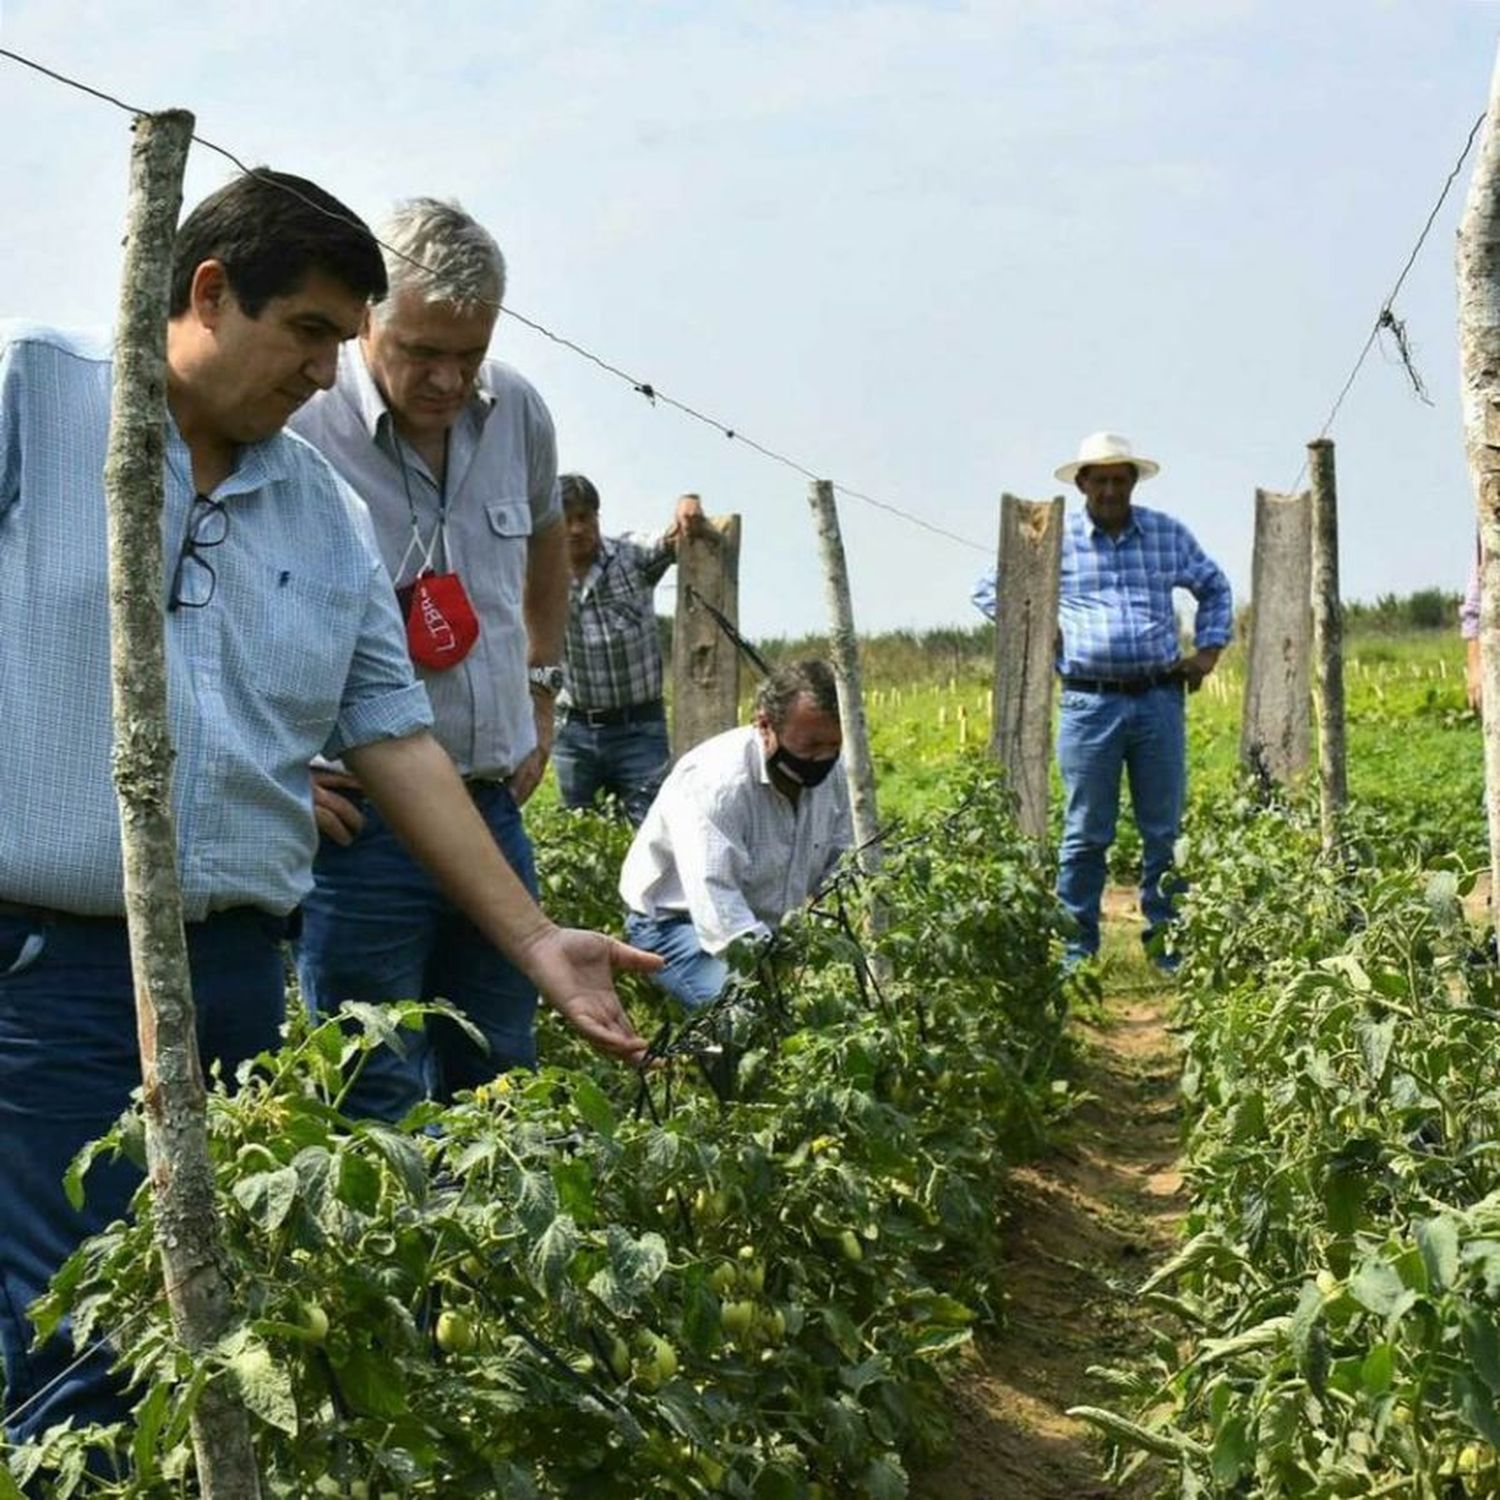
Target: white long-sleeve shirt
x: 723, y: 844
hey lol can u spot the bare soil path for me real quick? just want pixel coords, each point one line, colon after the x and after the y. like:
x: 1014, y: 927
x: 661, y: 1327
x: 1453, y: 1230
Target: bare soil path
x: 1085, y: 1224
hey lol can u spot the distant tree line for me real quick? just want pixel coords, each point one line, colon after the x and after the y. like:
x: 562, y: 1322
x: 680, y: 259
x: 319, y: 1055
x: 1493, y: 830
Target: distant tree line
x: 968, y: 652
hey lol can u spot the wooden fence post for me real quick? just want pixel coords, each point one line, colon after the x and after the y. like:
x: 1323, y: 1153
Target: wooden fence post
x: 182, y: 1176
x: 1328, y: 641
x: 1275, y: 733
x: 1479, y: 359
x: 705, y: 662
x: 1026, y: 593
x: 844, y: 647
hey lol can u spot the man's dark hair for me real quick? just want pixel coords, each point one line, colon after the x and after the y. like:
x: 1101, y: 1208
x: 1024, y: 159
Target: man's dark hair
x: 578, y: 493
x: 269, y: 230
x: 778, y: 694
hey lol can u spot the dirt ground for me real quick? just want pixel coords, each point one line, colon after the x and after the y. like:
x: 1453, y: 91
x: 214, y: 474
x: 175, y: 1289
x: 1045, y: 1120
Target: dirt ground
x: 1085, y: 1225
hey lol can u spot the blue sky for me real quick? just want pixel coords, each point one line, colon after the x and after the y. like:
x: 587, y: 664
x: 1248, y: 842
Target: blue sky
x: 921, y: 247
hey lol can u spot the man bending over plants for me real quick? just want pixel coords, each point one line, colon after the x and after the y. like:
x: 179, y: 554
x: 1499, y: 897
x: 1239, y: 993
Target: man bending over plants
x: 746, y: 827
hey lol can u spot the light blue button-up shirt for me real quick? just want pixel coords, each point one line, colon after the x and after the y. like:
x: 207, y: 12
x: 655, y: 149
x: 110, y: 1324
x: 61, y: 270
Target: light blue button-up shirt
x: 299, y: 650
x: 501, y: 487
x: 1114, y: 613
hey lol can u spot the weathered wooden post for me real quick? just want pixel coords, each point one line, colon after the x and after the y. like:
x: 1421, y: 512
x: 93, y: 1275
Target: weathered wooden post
x: 844, y: 646
x: 182, y: 1176
x: 1026, y: 593
x: 705, y: 662
x: 1275, y: 733
x: 1328, y: 641
x: 1479, y: 360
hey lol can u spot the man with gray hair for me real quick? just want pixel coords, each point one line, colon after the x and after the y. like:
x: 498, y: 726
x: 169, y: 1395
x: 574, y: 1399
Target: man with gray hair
x: 746, y: 827
x: 455, y: 455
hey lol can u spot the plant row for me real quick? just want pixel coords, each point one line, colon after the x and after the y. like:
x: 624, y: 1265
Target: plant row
x: 745, y: 1272
x: 1331, y: 1325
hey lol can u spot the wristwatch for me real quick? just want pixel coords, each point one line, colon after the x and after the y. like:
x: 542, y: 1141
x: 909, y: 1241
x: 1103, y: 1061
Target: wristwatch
x: 548, y: 680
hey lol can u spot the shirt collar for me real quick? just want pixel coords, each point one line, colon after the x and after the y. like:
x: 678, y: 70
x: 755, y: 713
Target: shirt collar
x: 257, y: 465
x: 1131, y: 528
x: 760, y: 758
x: 603, y: 554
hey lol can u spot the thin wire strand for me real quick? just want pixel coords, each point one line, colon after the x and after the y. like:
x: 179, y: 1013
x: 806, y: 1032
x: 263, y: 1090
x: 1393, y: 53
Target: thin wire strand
x: 1384, y: 314
x: 641, y: 387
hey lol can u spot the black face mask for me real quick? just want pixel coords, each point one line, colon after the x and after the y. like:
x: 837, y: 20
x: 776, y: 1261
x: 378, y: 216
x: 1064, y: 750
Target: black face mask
x: 798, y: 768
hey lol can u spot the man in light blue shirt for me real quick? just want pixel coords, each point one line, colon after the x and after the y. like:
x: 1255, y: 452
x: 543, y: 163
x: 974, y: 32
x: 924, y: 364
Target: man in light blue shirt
x: 282, y: 640
x: 1123, y: 678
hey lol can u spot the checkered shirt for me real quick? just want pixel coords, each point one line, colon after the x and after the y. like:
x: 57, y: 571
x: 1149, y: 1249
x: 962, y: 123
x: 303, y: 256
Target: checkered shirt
x: 1115, y: 613
x: 611, y: 653
x: 298, y: 650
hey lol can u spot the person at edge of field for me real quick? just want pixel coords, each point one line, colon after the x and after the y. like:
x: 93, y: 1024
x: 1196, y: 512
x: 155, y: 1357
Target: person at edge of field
x: 612, y: 726
x: 455, y: 455
x: 1468, y: 628
x: 746, y: 827
x: 282, y: 640
x: 1122, y: 680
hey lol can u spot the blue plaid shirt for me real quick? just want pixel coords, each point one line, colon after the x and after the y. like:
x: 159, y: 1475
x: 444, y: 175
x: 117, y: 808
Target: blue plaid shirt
x: 298, y: 650
x: 1115, y: 616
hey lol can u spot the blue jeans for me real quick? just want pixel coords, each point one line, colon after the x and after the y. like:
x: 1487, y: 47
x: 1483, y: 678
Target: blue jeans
x: 691, y: 975
x: 1099, y: 735
x: 629, y: 761
x: 377, y: 928
x: 69, y: 1059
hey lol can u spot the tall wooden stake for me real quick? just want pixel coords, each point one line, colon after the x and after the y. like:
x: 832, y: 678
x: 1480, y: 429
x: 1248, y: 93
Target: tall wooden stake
x: 1328, y: 642
x: 705, y: 662
x: 844, y: 645
x: 1479, y: 361
x: 182, y: 1177
x: 1276, y: 732
x: 1027, y: 583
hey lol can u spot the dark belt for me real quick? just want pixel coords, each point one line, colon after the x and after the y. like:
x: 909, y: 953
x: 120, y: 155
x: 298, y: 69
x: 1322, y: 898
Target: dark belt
x: 600, y: 718
x: 48, y: 915
x: 1132, y: 685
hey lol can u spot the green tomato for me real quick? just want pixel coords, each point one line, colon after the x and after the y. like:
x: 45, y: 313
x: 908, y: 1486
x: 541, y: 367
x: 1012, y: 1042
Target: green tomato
x: 711, y: 1207
x: 752, y: 1270
x: 772, y: 1325
x: 619, y: 1357
x: 455, y: 1333
x: 722, y: 1278
x: 659, y: 1364
x: 736, y: 1318
x: 315, y: 1322
x: 850, y: 1247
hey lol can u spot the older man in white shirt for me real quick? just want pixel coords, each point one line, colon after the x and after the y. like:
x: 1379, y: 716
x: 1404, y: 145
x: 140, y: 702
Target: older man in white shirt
x: 748, y: 825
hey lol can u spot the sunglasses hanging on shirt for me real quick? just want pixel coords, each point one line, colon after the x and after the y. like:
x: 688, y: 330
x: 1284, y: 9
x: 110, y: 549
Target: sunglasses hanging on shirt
x: 441, y: 626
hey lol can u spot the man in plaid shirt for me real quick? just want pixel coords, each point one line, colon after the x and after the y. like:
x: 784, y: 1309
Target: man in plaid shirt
x: 1123, y: 678
x: 612, y: 727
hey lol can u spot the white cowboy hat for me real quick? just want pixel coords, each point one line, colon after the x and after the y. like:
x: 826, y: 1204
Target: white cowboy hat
x: 1107, y: 448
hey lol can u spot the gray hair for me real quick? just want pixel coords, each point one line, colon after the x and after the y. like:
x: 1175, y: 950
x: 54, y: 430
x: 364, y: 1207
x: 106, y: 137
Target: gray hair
x: 778, y: 694
x: 457, y: 258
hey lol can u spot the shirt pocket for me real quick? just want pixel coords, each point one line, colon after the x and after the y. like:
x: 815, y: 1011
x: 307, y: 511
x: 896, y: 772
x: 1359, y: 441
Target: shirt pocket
x: 301, y: 650
x: 502, y: 580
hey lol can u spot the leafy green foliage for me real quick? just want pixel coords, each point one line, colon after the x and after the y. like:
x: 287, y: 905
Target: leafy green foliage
x: 580, y: 1283
x: 1337, y: 1300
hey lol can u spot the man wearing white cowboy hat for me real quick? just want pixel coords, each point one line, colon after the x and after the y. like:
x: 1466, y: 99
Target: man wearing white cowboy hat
x: 1123, y: 678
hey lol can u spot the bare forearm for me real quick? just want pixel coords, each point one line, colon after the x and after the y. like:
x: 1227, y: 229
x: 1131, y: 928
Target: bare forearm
x: 419, y: 793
